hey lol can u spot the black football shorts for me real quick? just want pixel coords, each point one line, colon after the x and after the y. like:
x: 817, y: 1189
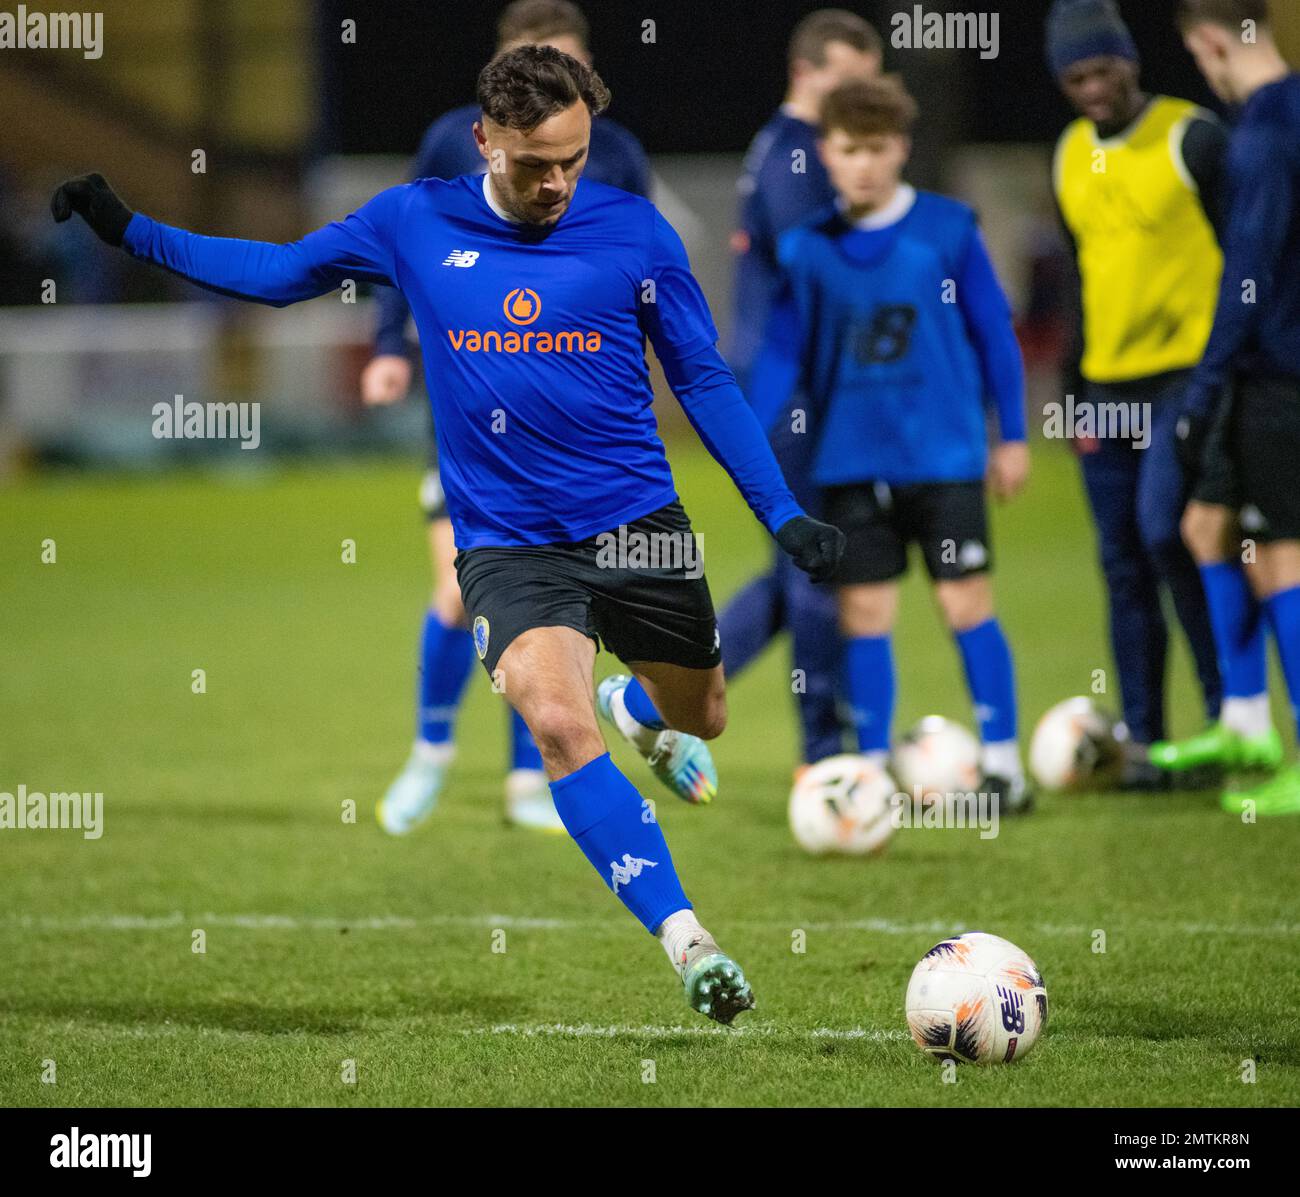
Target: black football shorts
x: 948, y: 520
x: 639, y: 590
x: 1265, y: 451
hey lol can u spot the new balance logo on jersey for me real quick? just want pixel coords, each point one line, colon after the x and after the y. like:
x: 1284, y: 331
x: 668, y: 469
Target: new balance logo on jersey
x: 621, y: 874
x: 461, y: 257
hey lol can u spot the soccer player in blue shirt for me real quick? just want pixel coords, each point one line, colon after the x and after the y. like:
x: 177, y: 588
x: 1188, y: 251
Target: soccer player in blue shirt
x: 448, y: 149
x: 566, y: 517
x: 784, y: 183
x: 1253, y: 437
x: 901, y: 336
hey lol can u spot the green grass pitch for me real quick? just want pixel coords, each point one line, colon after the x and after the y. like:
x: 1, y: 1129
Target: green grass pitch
x: 327, y: 942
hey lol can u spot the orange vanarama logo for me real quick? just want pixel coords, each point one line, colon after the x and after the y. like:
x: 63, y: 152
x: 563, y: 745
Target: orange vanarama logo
x: 522, y: 306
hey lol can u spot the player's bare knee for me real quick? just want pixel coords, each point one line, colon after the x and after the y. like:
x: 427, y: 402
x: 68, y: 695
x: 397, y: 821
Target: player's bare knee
x: 712, y: 721
x: 966, y: 604
x: 448, y: 604
x: 560, y: 728
x: 1203, y: 533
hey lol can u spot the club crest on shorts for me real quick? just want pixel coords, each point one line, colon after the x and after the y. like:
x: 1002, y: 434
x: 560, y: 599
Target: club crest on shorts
x: 481, y: 630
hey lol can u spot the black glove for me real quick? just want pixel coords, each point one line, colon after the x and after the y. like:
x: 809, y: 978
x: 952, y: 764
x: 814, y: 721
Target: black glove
x: 93, y: 199
x: 815, y: 547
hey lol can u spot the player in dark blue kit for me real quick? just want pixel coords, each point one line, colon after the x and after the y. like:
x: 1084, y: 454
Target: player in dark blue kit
x: 548, y: 447
x: 899, y: 332
x: 785, y: 183
x: 1251, y: 438
x: 446, y: 647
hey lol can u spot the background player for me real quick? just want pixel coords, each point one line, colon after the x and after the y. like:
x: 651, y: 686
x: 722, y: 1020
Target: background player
x: 549, y: 441
x: 784, y: 183
x: 1256, y: 336
x: 1138, y: 179
x: 446, y: 649
x: 901, y: 334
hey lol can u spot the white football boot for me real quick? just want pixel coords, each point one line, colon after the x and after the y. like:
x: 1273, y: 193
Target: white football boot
x: 412, y: 797
x: 529, y: 802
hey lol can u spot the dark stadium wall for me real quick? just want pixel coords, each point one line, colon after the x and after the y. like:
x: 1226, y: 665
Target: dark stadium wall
x: 711, y: 76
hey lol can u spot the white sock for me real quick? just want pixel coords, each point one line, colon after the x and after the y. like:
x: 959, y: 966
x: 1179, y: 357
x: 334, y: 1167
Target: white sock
x: 1247, y: 716
x: 676, y: 933
x: 435, y: 754
x: 643, y: 737
x: 1002, y: 760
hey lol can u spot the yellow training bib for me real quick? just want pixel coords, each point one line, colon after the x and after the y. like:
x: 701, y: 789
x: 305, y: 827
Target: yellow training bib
x: 1148, y: 256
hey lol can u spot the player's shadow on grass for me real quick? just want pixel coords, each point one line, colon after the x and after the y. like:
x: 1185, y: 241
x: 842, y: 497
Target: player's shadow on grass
x: 1222, y: 1028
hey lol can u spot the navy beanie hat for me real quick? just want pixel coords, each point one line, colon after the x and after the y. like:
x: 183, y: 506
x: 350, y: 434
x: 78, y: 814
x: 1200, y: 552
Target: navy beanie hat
x: 1079, y: 29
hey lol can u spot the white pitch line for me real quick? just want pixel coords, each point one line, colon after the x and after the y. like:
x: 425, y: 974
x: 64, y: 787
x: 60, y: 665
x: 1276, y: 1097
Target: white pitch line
x: 589, y: 1031
x: 292, y: 922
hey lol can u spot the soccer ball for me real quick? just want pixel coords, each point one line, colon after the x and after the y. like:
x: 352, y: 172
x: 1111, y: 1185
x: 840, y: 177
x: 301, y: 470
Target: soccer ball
x: 1074, y: 745
x: 938, y: 755
x: 842, y: 805
x: 977, y: 999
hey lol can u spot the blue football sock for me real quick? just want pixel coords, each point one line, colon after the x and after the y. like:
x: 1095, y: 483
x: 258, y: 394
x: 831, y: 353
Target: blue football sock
x: 613, y: 826
x: 523, y: 748
x: 639, y: 706
x: 870, y: 663
x: 1284, y: 612
x: 991, y: 680
x: 1238, y: 630
x: 446, y: 654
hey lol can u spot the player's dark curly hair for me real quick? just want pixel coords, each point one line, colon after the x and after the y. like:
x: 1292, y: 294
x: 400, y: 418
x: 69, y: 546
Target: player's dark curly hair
x: 523, y: 87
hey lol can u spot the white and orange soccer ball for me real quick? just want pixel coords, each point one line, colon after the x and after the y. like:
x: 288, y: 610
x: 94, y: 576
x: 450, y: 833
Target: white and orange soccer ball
x: 1074, y: 746
x: 938, y: 755
x: 842, y: 805
x: 977, y: 999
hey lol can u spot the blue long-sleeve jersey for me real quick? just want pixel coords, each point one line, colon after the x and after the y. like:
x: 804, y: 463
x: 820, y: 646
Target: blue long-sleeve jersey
x: 536, y: 338
x: 901, y: 337
x: 614, y: 156
x: 1257, y: 322
x: 783, y: 184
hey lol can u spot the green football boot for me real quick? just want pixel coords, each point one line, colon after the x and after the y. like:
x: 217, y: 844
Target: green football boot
x: 715, y: 984
x: 1220, y: 746
x: 1279, y: 795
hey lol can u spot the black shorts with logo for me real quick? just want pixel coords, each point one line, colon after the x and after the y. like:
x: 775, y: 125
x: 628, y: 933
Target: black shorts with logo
x: 949, y: 520
x: 1265, y: 448
x: 639, y: 590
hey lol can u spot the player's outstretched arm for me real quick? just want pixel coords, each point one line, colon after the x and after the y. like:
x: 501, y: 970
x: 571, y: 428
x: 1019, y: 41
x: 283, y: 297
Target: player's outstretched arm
x: 358, y: 247
x: 679, y: 325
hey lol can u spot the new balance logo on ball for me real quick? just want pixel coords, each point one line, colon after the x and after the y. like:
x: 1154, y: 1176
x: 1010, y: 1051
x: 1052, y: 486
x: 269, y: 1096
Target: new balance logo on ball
x: 461, y: 257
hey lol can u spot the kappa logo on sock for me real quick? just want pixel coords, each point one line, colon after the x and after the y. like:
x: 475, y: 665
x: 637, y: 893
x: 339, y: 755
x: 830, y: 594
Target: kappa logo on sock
x: 621, y: 874
x: 481, y: 631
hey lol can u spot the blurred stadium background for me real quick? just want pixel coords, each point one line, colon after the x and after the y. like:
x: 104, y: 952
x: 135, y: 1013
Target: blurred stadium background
x: 223, y: 811
x: 298, y: 123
